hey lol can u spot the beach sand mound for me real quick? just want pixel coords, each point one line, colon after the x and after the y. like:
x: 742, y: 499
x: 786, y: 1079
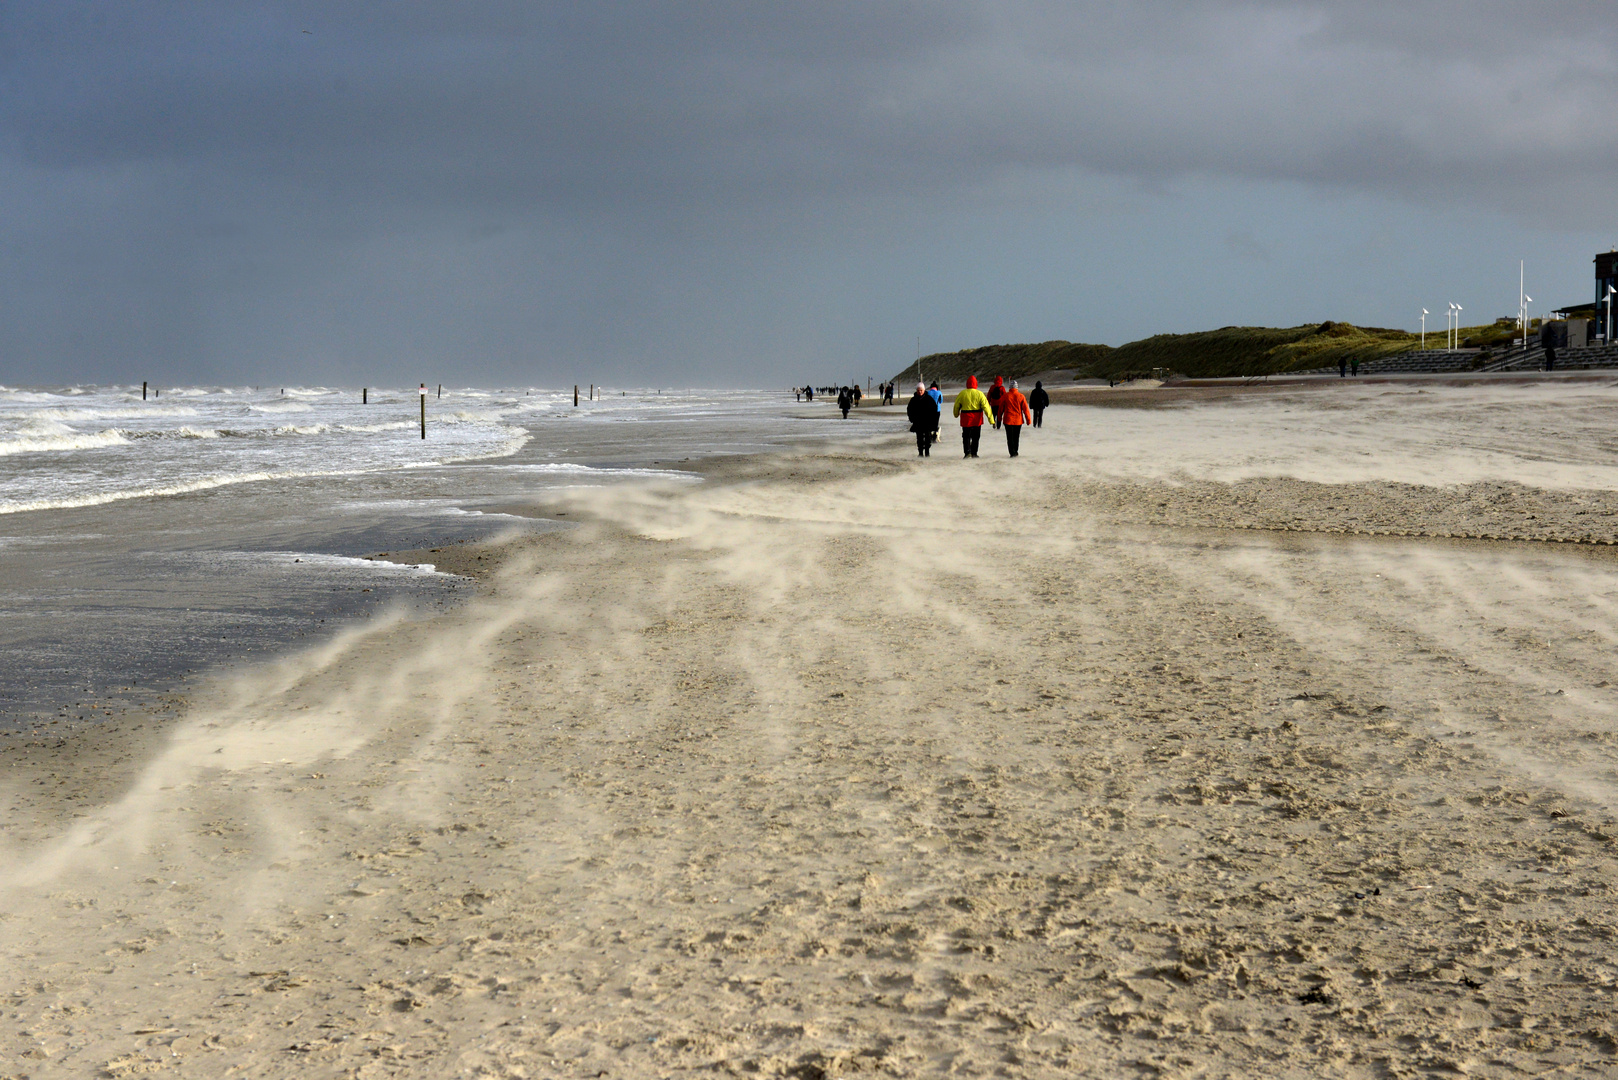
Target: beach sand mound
x: 841, y: 765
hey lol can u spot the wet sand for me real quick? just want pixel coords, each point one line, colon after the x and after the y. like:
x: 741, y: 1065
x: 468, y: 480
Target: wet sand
x: 844, y: 764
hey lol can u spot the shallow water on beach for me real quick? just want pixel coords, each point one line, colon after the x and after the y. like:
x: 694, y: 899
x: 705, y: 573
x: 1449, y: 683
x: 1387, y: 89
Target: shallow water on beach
x: 150, y: 539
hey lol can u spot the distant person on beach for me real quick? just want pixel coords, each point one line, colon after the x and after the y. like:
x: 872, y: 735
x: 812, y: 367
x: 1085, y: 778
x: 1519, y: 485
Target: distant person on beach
x: 845, y: 400
x: 1354, y: 367
x: 1547, y: 338
x: 994, y: 395
x: 1039, y: 401
x: 1342, y: 367
x: 923, y: 414
x: 809, y: 393
x: 973, y: 408
x: 1013, y: 412
x: 857, y: 394
x: 938, y: 399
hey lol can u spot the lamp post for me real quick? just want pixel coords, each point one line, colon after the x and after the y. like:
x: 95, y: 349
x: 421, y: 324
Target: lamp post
x: 1522, y: 308
x: 1610, y: 292
x: 1424, y: 327
x: 1458, y: 310
x: 1526, y: 300
x: 1449, y: 328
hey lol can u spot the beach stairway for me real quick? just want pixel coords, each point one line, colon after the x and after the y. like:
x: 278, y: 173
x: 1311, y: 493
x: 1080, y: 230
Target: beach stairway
x: 1533, y: 359
x: 1439, y: 361
x: 1417, y: 360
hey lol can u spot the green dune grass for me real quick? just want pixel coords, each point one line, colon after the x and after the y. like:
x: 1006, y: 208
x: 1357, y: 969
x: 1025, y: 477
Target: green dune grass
x: 1228, y: 351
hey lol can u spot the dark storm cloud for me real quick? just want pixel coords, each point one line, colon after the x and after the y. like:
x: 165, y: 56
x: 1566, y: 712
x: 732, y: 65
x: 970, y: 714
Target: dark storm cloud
x: 579, y: 104
x: 181, y: 177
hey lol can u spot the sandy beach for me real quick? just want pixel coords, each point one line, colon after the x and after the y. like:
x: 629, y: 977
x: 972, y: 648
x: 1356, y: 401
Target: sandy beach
x: 1098, y: 762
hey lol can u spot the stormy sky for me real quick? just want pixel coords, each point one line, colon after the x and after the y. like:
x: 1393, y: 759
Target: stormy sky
x: 699, y: 193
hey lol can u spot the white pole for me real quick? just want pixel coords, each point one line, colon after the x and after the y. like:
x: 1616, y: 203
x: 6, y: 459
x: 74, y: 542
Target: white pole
x: 1522, y: 317
x: 1424, y: 328
x: 1458, y: 310
x: 1610, y: 291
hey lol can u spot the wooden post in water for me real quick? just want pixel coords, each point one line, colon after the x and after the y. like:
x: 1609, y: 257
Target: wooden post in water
x: 440, y: 389
x: 143, y: 389
x: 424, y: 410
x: 575, y: 395
x: 365, y: 395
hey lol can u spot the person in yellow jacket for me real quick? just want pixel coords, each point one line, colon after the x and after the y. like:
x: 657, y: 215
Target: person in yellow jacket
x: 973, y: 409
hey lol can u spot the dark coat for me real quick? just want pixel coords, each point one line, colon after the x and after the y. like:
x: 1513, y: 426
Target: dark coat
x: 923, y: 413
x: 1039, y: 399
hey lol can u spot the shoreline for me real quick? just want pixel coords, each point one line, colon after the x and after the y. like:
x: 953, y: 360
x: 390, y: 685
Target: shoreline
x: 823, y: 768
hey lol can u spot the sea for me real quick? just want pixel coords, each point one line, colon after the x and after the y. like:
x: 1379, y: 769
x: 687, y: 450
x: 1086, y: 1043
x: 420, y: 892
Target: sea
x: 150, y: 534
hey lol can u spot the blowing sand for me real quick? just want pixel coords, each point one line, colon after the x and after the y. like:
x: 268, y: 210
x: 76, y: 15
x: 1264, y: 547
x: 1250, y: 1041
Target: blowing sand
x: 843, y: 764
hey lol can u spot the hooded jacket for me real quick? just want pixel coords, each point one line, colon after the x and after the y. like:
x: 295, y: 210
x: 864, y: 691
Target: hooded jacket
x: 1039, y: 399
x: 972, y: 407
x: 1014, y: 409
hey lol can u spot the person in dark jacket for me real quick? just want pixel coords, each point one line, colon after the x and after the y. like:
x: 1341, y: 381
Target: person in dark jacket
x: 1547, y: 338
x: 845, y: 400
x: 1038, y: 402
x: 993, y: 394
x: 923, y: 414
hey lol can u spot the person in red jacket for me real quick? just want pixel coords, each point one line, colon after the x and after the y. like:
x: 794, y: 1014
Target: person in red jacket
x: 994, y: 393
x: 972, y: 408
x: 1013, y: 412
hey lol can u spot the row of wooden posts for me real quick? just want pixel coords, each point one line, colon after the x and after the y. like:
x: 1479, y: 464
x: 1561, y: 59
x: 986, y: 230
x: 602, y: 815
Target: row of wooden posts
x: 365, y: 398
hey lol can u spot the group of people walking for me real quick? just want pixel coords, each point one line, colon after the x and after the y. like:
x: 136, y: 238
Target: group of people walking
x: 889, y: 391
x: 1001, y: 407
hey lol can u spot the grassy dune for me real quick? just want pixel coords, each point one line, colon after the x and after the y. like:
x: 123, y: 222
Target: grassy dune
x: 1228, y: 351
x: 1011, y: 361
x: 1255, y: 350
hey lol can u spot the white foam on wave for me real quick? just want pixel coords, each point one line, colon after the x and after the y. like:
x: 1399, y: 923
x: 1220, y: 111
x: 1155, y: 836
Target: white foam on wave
x: 206, y: 483
x: 377, y: 566
x: 464, y: 512
x: 396, y: 425
x: 118, y: 411
x: 46, y: 442
x: 282, y: 407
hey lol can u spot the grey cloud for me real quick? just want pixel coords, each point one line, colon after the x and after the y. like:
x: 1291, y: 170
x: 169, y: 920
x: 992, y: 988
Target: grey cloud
x: 576, y: 105
x: 184, y: 177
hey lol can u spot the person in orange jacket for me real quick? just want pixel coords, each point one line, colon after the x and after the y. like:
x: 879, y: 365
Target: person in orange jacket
x: 1014, y: 413
x: 973, y: 409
